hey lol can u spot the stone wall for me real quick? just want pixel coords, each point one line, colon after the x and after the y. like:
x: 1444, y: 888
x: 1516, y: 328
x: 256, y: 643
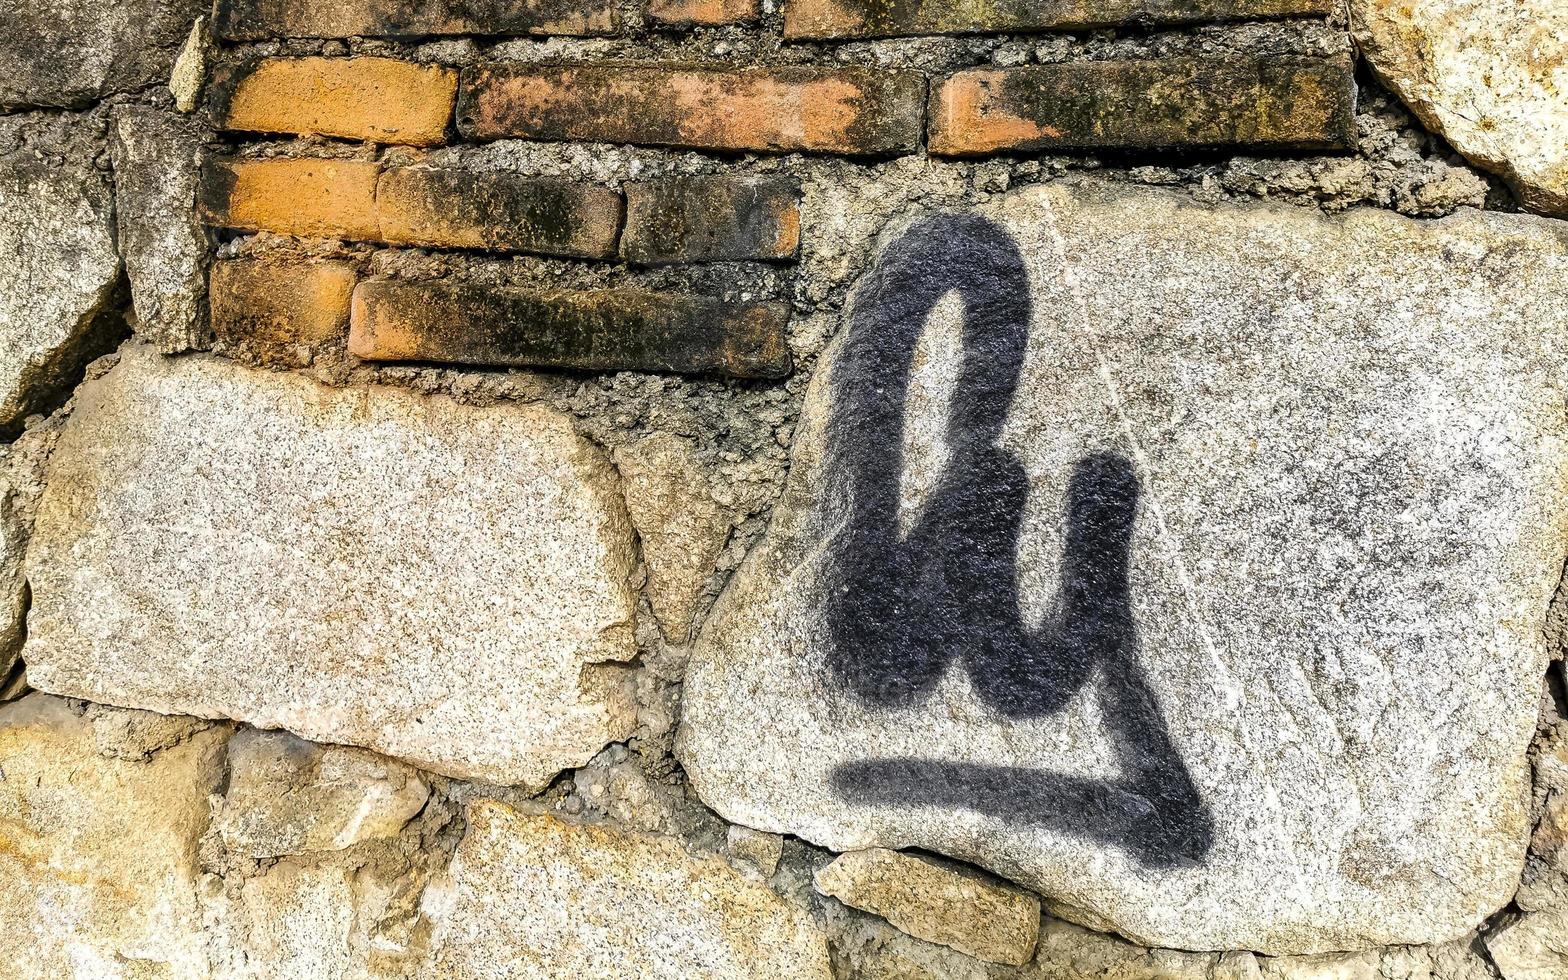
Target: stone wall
x: 783, y: 489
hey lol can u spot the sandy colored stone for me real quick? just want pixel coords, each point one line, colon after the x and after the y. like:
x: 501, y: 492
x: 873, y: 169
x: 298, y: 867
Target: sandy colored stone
x: 156, y: 156
x: 21, y: 483
x: 57, y: 259
x: 531, y: 895
x: 1488, y: 77
x: 1366, y: 965
x: 761, y: 851
x: 1532, y: 947
x: 98, y: 855
x: 1069, y: 952
x: 303, y: 196
x: 379, y: 100
x: 1345, y: 449
x: 939, y: 904
x: 436, y: 582
x: 683, y: 529
x: 189, y: 73
x: 290, y: 796
x: 125, y: 733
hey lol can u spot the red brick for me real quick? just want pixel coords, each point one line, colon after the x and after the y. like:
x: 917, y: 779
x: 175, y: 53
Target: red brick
x: 311, y: 197
x: 598, y: 330
x: 857, y: 111
x: 264, y: 305
x: 703, y: 13
x: 380, y: 100
x: 839, y: 19
x: 706, y: 219
x: 1272, y: 103
x: 499, y: 212
x: 257, y: 20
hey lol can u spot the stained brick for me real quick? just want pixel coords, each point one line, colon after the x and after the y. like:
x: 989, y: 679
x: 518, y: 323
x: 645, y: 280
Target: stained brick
x: 600, y: 330
x: 264, y: 303
x: 837, y: 19
x: 696, y: 13
x: 1279, y: 102
x: 857, y: 111
x: 255, y: 20
x: 321, y: 198
x: 502, y: 212
x: 382, y: 100
x: 697, y: 219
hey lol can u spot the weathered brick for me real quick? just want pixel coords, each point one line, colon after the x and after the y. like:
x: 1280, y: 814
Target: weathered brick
x: 695, y: 13
x: 599, y: 330
x: 259, y: 303
x: 836, y: 19
x: 697, y: 219
x: 255, y: 20
x: 1277, y: 102
x: 381, y: 100
x: 856, y: 111
x: 321, y: 198
x: 502, y: 212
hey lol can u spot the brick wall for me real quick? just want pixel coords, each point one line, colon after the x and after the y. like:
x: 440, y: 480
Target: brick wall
x: 348, y: 121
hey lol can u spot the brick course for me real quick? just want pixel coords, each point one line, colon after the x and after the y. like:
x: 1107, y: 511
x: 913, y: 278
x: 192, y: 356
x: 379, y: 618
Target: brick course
x: 319, y: 198
x: 694, y: 13
x: 257, y: 20
x: 852, y: 111
x: 380, y: 100
x: 596, y: 330
x: 698, y: 219
x: 1280, y: 102
x: 266, y: 303
x: 500, y: 212
x: 842, y: 19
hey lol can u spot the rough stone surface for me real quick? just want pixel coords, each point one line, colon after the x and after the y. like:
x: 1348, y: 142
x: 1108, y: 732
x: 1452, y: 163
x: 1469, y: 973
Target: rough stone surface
x: 1487, y: 76
x: 683, y: 529
x: 1069, y: 952
x: 134, y: 735
x: 761, y: 851
x: 226, y: 543
x: 189, y: 73
x: 57, y: 257
x: 290, y: 796
x: 98, y: 855
x: 938, y: 904
x: 530, y: 895
x: 448, y: 208
x: 157, y: 173
x: 74, y: 52
x: 21, y: 483
x: 1278, y: 489
x: 1532, y: 947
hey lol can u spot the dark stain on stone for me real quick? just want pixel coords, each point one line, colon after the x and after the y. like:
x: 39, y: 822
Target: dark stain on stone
x: 902, y: 607
x: 257, y: 20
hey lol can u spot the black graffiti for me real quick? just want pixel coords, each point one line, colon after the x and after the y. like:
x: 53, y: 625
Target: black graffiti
x: 903, y: 606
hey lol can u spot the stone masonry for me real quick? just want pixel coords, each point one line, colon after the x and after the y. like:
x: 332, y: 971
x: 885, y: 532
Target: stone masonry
x: 783, y: 490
